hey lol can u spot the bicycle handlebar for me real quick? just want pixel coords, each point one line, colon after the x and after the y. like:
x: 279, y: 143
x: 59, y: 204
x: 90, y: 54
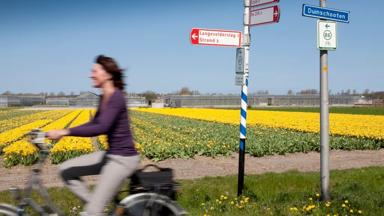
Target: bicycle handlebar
x: 38, y: 138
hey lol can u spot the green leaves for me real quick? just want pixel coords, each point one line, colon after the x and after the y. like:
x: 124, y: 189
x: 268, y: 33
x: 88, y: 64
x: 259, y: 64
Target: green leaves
x: 162, y: 137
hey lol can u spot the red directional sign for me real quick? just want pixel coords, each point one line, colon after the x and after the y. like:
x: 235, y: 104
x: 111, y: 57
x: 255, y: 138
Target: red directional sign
x: 215, y: 37
x: 264, y: 15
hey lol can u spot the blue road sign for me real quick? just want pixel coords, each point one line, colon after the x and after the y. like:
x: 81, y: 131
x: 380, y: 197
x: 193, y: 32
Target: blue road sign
x: 326, y: 13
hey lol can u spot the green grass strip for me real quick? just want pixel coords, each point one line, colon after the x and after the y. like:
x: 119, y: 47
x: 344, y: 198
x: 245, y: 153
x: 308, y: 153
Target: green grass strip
x: 353, y: 192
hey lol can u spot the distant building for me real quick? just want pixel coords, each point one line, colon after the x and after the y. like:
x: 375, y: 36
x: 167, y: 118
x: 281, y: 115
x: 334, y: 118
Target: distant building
x: 158, y: 103
x: 86, y: 99
x: 378, y: 102
x: 258, y: 100
x: 60, y: 100
x: 202, y: 101
x: 136, y: 101
x: 21, y: 100
x: 90, y: 99
x: 9, y: 100
x: 364, y: 102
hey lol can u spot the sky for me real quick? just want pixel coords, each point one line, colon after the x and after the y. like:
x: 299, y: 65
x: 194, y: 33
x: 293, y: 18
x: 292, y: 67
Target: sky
x: 50, y: 46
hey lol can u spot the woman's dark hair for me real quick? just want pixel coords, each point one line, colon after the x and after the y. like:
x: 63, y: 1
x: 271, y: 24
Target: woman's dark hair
x: 111, y: 67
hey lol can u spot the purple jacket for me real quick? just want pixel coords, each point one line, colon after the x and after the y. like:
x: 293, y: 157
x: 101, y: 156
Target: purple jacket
x: 112, y: 119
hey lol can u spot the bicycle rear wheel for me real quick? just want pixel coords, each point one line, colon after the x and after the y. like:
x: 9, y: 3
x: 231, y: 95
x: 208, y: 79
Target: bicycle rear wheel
x: 7, y: 210
x: 151, y: 204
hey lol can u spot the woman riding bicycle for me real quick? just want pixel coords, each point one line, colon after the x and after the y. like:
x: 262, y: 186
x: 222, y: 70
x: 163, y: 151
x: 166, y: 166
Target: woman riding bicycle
x: 111, y: 118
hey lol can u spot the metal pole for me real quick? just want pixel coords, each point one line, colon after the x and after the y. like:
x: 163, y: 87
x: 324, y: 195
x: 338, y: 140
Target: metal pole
x: 244, y: 99
x: 324, y: 122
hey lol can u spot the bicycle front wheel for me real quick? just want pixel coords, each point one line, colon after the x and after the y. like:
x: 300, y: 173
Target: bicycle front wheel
x: 150, y: 204
x: 7, y: 210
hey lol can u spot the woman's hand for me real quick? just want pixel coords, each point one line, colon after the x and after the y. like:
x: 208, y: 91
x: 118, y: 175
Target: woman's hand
x: 57, y: 134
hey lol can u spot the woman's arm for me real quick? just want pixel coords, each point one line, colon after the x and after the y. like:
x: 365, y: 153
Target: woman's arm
x: 57, y: 134
x: 90, y: 122
x: 102, y: 124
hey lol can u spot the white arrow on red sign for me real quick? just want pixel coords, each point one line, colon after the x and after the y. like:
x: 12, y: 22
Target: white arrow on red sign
x: 264, y: 15
x: 215, y: 37
x: 262, y: 2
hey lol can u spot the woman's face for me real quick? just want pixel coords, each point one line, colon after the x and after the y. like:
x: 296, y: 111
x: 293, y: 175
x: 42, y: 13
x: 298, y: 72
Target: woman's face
x: 99, y: 76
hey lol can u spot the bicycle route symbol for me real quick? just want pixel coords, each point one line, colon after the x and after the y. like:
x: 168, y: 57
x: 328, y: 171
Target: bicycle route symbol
x: 327, y: 35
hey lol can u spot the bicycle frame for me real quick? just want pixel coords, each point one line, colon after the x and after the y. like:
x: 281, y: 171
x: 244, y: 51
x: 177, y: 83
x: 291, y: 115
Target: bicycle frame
x: 34, y: 182
x: 50, y: 208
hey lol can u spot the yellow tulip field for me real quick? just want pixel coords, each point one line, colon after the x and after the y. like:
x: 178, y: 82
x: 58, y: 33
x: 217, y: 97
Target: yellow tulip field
x: 184, y: 133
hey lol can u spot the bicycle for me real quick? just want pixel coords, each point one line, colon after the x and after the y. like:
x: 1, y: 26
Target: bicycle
x: 140, y: 204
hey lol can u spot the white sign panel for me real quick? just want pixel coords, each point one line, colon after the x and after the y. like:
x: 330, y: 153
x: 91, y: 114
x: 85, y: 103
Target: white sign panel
x: 239, y: 79
x: 264, y: 15
x: 240, y: 60
x: 213, y: 37
x: 262, y: 2
x: 326, y: 35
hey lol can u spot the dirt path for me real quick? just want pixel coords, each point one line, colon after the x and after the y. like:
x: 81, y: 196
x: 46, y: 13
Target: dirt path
x: 220, y: 166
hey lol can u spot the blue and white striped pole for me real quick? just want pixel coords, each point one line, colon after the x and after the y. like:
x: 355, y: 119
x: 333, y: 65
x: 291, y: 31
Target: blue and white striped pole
x: 243, y: 136
x: 243, y: 112
x: 244, y: 99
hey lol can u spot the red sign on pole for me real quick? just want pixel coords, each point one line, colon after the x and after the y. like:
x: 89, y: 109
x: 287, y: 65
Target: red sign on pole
x: 213, y: 37
x: 264, y: 15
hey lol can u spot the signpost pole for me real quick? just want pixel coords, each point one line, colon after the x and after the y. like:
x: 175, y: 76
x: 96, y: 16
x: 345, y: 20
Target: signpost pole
x: 324, y: 122
x: 244, y: 99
